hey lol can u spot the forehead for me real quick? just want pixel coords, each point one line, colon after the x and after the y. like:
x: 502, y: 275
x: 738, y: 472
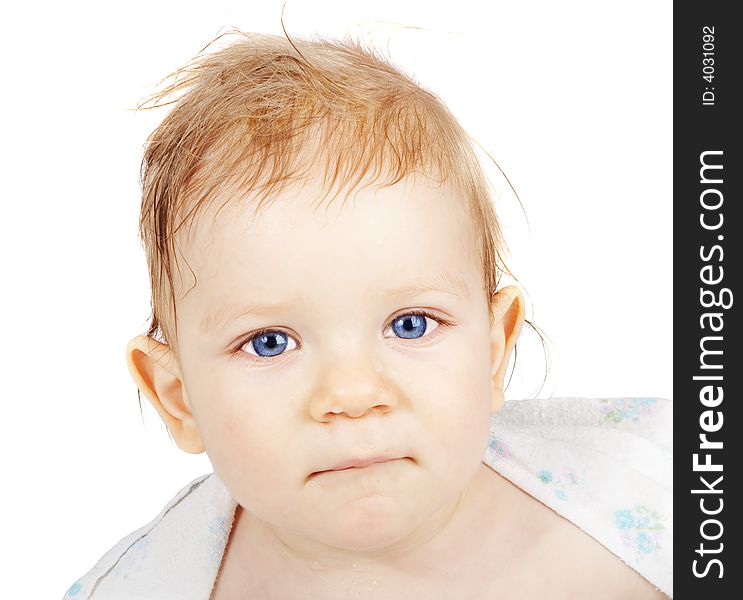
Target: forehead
x: 376, y: 239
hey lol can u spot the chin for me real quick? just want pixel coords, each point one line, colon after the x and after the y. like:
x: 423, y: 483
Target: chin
x: 369, y: 524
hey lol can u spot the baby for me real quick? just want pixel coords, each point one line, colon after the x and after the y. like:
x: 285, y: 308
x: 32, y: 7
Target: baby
x: 327, y: 326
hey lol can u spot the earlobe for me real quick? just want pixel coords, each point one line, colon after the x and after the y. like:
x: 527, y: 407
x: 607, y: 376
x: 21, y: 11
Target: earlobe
x: 156, y: 372
x: 508, y: 318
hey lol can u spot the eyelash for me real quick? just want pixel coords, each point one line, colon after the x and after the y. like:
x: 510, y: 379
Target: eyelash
x: 237, y: 349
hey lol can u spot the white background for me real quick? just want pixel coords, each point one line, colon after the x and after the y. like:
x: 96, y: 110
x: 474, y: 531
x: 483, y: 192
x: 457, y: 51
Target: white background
x: 572, y: 98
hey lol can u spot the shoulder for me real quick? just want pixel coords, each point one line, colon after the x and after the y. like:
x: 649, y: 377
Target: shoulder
x: 191, y: 529
x: 604, y: 464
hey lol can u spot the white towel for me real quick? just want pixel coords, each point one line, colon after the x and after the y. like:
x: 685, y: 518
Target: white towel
x: 604, y: 464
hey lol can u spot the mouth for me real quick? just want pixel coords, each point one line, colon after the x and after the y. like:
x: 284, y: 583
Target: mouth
x: 360, y: 464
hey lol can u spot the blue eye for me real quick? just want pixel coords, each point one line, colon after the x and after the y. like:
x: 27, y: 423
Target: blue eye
x: 273, y: 342
x: 412, y: 325
x: 269, y: 343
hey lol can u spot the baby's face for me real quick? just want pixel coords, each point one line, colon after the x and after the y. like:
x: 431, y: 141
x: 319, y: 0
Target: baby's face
x: 375, y: 341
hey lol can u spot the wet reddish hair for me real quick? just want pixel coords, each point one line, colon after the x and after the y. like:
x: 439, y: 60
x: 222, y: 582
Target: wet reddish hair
x: 245, y: 116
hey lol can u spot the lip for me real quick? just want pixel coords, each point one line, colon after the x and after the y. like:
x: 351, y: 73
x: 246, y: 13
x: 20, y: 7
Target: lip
x: 358, y: 463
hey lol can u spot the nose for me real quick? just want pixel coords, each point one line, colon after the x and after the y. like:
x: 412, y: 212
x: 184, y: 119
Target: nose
x: 352, y: 386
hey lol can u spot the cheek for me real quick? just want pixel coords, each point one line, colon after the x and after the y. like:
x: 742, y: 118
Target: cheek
x: 454, y: 403
x: 460, y: 377
x: 245, y: 442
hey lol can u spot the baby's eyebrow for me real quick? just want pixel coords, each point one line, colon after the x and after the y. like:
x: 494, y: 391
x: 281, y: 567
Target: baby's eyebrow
x: 218, y: 317
x: 446, y: 282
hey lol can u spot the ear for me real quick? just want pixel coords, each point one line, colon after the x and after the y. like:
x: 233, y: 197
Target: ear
x: 506, y: 323
x: 155, y: 369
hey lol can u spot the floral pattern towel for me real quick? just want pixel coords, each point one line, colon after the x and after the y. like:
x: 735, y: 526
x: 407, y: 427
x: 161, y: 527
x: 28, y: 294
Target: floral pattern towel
x: 604, y: 464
